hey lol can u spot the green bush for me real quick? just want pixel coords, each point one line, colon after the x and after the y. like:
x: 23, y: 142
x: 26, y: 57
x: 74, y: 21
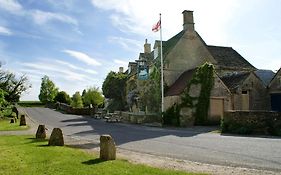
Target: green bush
x: 172, y: 116
x: 115, y: 105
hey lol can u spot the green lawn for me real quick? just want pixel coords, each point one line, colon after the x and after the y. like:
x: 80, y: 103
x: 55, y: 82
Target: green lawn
x: 5, y: 125
x: 31, y: 104
x: 24, y: 155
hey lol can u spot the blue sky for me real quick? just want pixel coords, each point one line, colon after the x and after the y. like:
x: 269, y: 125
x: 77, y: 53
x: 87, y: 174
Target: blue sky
x: 77, y: 42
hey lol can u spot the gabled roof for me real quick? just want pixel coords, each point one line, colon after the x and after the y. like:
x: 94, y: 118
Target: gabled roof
x: 180, y: 84
x: 225, y: 56
x: 277, y: 73
x: 265, y: 75
x: 170, y: 44
x: 146, y: 56
x: 233, y: 81
x: 228, y: 57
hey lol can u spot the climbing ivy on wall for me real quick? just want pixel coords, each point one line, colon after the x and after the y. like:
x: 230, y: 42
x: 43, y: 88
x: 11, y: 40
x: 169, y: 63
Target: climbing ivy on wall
x: 204, y: 77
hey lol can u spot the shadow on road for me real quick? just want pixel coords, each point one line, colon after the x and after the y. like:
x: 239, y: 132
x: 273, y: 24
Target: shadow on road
x: 124, y: 133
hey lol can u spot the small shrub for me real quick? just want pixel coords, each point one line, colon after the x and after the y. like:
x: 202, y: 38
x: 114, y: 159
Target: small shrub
x: 172, y: 116
x: 242, y: 130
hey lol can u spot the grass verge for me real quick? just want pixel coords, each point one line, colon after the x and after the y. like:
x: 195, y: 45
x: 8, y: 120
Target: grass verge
x: 5, y: 125
x: 31, y: 104
x: 22, y: 155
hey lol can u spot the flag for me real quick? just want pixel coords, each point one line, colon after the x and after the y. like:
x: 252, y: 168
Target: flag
x: 157, y: 26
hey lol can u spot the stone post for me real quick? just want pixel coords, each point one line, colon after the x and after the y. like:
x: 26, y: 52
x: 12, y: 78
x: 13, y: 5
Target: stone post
x: 107, y: 148
x: 12, y: 120
x: 41, y: 132
x: 56, y: 138
x: 15, y: 110
x: 22, y: 120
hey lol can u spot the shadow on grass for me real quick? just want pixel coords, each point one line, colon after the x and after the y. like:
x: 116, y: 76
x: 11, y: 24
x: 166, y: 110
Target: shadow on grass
x: 34, y: 140
x: 84, y: 146
x: 93, y: 161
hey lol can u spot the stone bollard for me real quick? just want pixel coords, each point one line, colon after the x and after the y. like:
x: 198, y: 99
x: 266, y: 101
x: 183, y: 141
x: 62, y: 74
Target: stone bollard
x: 22, y: 120
x: 107, y: 148
x: 41, y: 132
x: 56, y: 138
x: 15, y: 110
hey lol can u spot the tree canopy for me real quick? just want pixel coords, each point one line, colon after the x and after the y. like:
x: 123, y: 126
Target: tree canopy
x: 48, y: 90
x: 63, y: 97
x: 114, y: 87
x: 12, y: 86
x: 77, y: 100
x: 93, y: 96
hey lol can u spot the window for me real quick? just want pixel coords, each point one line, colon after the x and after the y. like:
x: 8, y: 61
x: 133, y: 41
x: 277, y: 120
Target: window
x: 244, y: 92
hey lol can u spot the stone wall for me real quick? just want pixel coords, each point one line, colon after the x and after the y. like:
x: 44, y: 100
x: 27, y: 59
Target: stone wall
x: 140, y: 118
x: 252, y: 122
x: 170, y: 101
x: 275, y: 85
x: 77, y: 111
x: 189, y: 53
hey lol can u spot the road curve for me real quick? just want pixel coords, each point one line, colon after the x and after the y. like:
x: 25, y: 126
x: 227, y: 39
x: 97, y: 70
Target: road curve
x: 194, y: 144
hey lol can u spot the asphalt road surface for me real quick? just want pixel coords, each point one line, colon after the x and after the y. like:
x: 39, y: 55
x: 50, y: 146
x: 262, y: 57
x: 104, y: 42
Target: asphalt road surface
x: 195, y: 144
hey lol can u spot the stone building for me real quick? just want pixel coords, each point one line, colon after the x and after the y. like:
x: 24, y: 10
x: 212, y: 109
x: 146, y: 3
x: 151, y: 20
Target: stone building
x: 275, y: 92
x: 238, y: 85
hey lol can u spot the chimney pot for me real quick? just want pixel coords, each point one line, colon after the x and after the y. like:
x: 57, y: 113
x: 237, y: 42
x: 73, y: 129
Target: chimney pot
x: 147, y: 47
x: 188, y: 23
x: 121, y: 69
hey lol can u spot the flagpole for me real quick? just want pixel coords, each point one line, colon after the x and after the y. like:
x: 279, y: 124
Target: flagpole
x: 162, y: 73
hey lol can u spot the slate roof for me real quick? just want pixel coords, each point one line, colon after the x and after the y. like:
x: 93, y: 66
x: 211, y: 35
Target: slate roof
x: 228, y: 57
x: 225, y: 56
x: 265, y: 75
x: 234, y: 80
x: 147, y: 56
x: 170, y: 44
x: 180, y: 84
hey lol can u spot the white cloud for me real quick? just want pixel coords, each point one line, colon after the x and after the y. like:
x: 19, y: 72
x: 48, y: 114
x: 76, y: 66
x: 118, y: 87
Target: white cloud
x: 137, y: 17
x: 5, y: 31
x: 82, y: 57
x: 11, y: 6
x: 51, y: 69
x: 66, y: 76
x: 121, y: 63
x: 126, y: 43
x: 76, y: 67
x: 42, y: 17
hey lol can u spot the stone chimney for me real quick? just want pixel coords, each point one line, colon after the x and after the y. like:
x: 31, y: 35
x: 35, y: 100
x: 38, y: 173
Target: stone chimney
x: 121, y: 69
x: 188, y: 23
x: 147, y: 47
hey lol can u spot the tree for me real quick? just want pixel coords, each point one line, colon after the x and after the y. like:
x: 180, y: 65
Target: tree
x: 77, y: 100
x: 93, y: 96
x: 63, y: 97
x: 2, y: 98
x: 48, y: 90
x: 114, y: 87
x: 13, y: 86
x: 150, y: 92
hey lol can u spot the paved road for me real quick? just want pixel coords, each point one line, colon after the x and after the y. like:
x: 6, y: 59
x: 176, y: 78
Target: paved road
x: 195, y: 144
